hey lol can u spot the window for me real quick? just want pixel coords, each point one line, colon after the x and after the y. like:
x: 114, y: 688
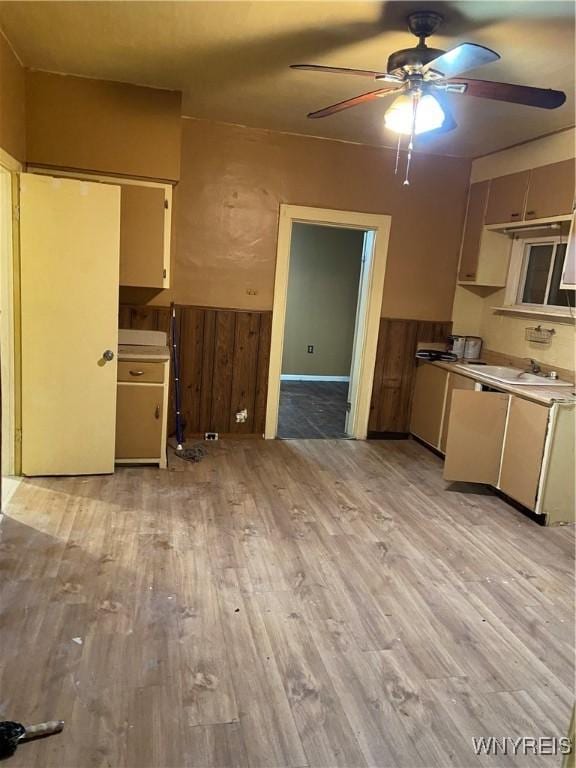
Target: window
x: 540, y: 276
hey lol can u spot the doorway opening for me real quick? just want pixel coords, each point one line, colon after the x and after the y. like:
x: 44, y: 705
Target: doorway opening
x: 321, y: 309
x: 325, y: 392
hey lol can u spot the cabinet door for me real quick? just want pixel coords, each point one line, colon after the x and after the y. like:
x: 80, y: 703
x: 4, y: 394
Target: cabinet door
x: 569, y: 272
x: 507, y: 197
x: 139, y: 421
x: 142, y: 241
x: 455, y: 381
x: 477, y: 199
x: 475, y: 437
x: 551, y: 190
x: 428, y: 403
x: 523, y: 451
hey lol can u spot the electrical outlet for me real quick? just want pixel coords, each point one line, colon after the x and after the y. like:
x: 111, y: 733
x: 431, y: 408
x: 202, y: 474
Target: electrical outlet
x: 210, y: 435
x: 242, y: 416
x: 251, y: 291
x: 310, y: 349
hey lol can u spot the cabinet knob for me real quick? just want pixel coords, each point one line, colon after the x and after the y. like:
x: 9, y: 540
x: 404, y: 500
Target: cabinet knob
x: 108, y: 355
x: 530, y: 213
x: 514, y: 215
x: 157, y: 412
x: 136, y: 373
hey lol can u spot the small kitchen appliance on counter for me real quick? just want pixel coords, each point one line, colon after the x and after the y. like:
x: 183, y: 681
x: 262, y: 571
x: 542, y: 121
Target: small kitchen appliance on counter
x: 456, y: 345
x: 465, y: 347
x: 472, y: 348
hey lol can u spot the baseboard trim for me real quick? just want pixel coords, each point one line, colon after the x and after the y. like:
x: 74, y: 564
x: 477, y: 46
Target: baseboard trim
x: 311, y: 377
x: 388, y: 435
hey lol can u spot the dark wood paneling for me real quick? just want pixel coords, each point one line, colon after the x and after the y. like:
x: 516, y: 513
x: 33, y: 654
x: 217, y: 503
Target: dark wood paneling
x: 222, y: 371
x: 192, y: 340
x: 244, y: 368
x: 394, y: 371
x: 224, y: 357
x: 206, y: 390
x: 261, y: 394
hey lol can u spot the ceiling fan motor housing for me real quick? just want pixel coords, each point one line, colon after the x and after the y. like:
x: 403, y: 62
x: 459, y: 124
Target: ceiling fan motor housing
x: 409, y: 59
x: 422, y: 24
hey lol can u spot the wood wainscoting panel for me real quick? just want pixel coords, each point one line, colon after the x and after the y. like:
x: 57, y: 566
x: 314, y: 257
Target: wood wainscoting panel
x: 224, y: 356
x: 395, y: 369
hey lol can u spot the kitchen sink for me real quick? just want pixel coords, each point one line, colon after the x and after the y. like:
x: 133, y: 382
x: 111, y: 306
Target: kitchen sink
x: 508, y: 375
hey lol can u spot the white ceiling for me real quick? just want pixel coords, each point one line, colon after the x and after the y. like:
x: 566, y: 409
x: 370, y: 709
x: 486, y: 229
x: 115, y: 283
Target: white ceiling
x: 230, y: 59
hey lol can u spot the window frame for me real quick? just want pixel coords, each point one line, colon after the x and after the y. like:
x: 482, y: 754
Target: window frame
x: 517, y: 277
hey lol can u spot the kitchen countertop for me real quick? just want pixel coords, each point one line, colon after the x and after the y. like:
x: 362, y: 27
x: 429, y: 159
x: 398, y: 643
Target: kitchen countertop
x: 143, y: 352
x: 537, y: 393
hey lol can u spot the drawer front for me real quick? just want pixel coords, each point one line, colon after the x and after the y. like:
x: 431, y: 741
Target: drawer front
x: 133, y: 370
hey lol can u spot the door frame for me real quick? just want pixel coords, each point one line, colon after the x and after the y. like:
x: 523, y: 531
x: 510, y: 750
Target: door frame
x: 372, y: 288
x: 10, y: 330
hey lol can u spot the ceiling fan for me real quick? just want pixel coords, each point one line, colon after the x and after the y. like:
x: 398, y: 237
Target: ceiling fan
x: 422, y: 76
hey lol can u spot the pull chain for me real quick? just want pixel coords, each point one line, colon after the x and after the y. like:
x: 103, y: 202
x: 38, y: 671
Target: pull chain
x: 398, y: 154
x: 415, y: 100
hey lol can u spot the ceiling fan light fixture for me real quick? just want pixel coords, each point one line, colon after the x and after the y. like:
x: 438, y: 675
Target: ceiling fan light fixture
x: 400, y: 116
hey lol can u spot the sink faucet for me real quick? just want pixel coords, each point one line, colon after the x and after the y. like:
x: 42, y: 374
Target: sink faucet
x: 534, y: 367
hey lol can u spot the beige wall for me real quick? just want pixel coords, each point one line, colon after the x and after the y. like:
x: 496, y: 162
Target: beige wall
x: 227, y: 204
x: 12, y: 103
x: 96, y: 125
x: 473, y: 311
x: 322, y: 298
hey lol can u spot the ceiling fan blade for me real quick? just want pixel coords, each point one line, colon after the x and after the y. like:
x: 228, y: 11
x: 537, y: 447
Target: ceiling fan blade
x: 345, y: 71
x: 460, y: 59
x: 545, y: 98
x: 353, y: 102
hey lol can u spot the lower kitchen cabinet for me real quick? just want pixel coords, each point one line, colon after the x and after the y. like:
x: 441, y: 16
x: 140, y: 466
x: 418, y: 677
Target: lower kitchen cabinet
x: 523, y: 451
x: 433, y: 390
x: 455, y: 381
x: 141, y: 411
x: 497, y: 439
x: 428, y: 403
x: 523, y: 448
x: 475, y: 437
x: 139, y: 421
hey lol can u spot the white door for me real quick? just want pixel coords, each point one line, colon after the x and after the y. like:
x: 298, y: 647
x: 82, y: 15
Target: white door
x: 359, y: 334
x: 69, y: 251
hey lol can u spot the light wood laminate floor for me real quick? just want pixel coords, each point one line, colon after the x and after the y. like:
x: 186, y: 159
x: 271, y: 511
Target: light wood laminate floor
x: 301, y: 603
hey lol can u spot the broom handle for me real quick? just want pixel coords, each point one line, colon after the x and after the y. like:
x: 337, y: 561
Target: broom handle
x: 42, y: 729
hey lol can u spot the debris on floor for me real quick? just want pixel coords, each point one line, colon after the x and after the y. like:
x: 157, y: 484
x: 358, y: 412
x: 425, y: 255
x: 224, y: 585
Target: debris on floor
x: 193, y: 454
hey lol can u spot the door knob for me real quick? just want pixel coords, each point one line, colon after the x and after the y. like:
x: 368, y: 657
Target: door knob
x: 108, y: 355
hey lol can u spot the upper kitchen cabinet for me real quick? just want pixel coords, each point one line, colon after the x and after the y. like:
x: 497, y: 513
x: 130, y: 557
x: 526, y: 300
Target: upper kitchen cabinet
x: 551, y: 190
x: 145, y: 214
x: 507, y: 198
x: 477, y: 200
x: 485, y: 254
